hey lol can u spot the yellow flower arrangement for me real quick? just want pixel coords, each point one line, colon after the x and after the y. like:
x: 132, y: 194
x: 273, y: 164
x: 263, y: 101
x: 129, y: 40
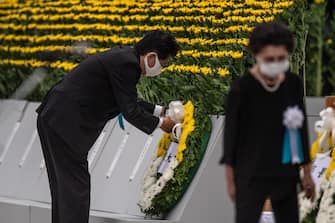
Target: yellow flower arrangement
x: 166, y: 9
x: 206, y: 30
x: 194, y: 69
x: 315, y: 150
x: 144, y: 4
x: 331, y: 167
x: 67, y: 66
x: 137, y: 18
x: 188, y: 53
x: 315, y: 146
x: 164, y: 144
x: 119, y: 28
x: 116, y: 39
x: 157, y: 4
x: 188, y: 127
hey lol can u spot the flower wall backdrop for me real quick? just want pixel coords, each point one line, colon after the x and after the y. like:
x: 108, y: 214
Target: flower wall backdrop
x: 213, y: 35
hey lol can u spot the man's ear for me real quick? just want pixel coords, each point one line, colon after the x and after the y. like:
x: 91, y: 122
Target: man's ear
x: 163, y: 62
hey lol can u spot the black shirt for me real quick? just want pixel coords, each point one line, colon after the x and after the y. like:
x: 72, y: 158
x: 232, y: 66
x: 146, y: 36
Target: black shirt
x: 254, y: 130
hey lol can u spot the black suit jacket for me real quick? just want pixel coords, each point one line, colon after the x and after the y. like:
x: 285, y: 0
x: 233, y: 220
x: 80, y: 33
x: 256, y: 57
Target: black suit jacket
x: 97, y: 90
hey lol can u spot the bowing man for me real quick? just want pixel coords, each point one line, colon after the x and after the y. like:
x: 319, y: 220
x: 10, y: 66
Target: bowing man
x: 76, y: 109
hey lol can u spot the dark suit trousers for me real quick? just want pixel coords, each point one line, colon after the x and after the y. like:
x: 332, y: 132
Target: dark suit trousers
x: 69, y: 178
x: 250, y: 198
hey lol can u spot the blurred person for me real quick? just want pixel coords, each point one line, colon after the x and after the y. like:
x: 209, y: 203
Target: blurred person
x: 76, y: 109
x: 254, y: 155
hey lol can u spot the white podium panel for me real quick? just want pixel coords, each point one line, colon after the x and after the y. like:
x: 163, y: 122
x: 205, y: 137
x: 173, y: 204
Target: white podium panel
x: 314, y: 105
x: 312, y: 134
x: 27, y: 159
x: 98, y: 147
x: 10, y: 120
x: 17, y: 153
x: 13, y: 213
x: 120, y: 169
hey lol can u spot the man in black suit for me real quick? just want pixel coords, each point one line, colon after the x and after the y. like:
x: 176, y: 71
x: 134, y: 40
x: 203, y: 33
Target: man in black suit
x: 75, y: 110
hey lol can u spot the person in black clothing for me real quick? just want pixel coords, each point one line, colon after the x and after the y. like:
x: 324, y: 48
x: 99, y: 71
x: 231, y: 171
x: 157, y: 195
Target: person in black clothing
x: 254, y: 131
x: 75, y: 110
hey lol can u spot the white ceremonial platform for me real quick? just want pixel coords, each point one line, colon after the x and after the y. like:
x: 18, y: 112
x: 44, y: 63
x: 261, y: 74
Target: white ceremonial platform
x: 118, y: 161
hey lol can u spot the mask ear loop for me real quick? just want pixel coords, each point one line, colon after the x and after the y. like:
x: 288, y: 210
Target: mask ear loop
x: 156, y: 58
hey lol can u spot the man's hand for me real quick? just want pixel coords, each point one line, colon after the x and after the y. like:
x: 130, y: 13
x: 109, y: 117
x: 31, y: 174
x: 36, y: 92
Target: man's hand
x: 231, y: 189
x: 308, y: 183
x: 167, y: 125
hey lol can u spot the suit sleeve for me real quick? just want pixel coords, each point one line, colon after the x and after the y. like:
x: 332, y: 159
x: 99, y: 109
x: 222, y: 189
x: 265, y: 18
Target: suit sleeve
x: 147, y: 106
x: 231, y: 125
x: 124, y: 82
x: 304, y: 129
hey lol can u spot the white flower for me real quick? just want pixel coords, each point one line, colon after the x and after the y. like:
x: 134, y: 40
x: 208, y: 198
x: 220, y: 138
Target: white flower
x: 154, y: 166
x: 306, y: 205
x: 327, y: 122
x: 327, y: 207
x: 328, y: 117
x: 148, y: 181
x: 176, y: 111
x: 293, y: 117
x: 319, y: 126
x: 168, y: 175
x: 151, y: 186
x: 161, y: 184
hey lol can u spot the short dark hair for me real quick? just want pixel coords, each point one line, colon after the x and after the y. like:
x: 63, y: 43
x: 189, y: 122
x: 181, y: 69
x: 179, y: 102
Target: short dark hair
x: 163, y: 43
x: 271, y: 33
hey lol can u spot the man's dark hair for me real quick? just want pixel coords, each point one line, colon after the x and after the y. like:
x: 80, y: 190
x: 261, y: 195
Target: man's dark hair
x: 271, y: 33
x: 163, y: 43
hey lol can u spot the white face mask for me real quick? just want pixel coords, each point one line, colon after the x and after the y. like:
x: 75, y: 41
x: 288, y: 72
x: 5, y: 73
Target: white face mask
x: 273, y: 69
x: 155, y: 70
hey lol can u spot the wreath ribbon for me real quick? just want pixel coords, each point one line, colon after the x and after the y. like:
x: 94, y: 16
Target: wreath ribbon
x: 292, y: 147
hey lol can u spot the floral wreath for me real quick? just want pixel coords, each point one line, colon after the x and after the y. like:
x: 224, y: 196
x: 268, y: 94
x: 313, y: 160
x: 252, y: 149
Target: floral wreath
x: 160, y: 193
